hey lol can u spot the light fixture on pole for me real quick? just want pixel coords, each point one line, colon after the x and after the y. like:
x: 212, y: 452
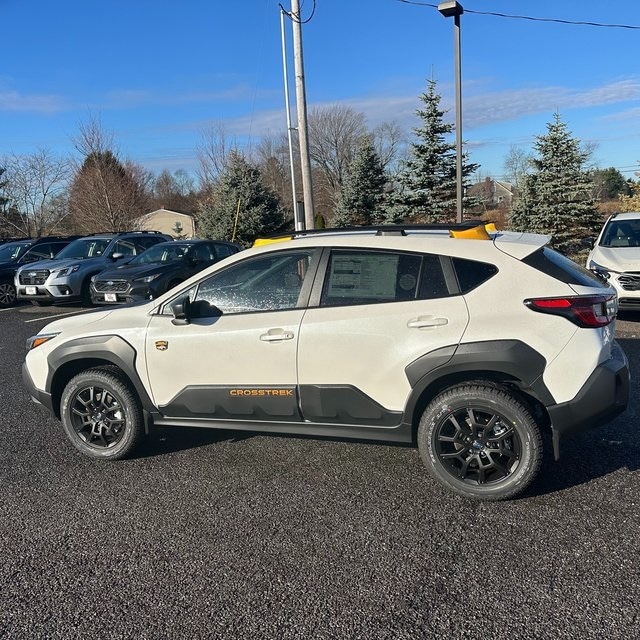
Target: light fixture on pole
x: 455, y: 9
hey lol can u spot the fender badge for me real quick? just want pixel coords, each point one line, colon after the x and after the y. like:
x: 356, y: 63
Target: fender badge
x: 162, y: 345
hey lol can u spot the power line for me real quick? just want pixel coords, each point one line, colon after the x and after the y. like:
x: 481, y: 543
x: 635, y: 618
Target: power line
x: 516, y: 17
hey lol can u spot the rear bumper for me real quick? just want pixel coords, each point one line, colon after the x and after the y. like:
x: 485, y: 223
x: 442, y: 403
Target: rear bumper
x: 604, y: 396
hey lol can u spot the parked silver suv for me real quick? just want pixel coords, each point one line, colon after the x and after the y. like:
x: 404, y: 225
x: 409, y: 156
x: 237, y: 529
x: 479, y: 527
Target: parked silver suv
x: 68, y: 277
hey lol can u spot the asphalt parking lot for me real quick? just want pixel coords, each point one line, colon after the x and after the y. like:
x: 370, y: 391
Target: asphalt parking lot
x: 232, y: 535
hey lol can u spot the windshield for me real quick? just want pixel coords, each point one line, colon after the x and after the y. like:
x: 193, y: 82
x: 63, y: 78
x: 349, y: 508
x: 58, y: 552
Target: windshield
x: 84, y: 248
x: 161, y: 253
x: 11, y: 251
x: 621, y: 233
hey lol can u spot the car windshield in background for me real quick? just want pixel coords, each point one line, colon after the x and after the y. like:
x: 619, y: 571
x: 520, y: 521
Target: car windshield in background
x: 11, y: 251
x: 161, y: 253
x: 84, y: 248
x: 622, y: 233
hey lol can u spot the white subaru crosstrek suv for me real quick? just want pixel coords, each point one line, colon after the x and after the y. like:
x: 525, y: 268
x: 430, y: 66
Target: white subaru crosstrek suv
x: 615, y: 256
x: 474, y: 345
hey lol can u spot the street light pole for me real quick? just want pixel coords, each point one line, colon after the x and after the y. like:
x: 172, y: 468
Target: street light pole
x: 455, y: 9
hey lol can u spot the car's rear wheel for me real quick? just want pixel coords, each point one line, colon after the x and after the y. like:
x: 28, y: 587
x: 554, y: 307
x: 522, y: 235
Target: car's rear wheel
x: 480, y: 441
x: 101, y: 414
x: 7, y: 294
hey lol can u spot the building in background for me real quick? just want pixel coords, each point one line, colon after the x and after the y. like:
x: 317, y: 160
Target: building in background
x: 178, y: 224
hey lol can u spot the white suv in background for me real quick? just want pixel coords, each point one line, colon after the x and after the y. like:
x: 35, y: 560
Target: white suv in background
x: 615, y: 256
x: 473, y: 345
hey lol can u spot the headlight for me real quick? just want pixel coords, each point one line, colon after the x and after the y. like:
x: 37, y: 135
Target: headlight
x: 66, y: 271
x: 603, y: 272
x: 41, y: 338
x: 148, y: 279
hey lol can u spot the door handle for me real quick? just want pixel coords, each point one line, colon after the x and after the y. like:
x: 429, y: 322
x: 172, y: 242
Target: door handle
x: 427, y: 321
x: 275, y: 335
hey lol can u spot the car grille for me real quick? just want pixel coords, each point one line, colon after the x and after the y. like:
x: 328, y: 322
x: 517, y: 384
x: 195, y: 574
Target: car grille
x: 110, y: 286
x: 34, y: 276
x: 630, y: 281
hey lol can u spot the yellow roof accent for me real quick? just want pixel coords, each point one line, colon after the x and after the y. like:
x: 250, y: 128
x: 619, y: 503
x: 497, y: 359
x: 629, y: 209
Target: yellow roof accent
x: 259, y: 242
x: 475, y: 233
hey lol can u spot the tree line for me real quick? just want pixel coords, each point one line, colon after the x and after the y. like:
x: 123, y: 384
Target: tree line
x: 360, y: 176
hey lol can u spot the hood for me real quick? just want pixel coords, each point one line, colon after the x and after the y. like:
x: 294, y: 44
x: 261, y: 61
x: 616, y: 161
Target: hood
x: 133, y: 271
x: 51, y: 264
x: 129, y: 317
x: 618, y: 258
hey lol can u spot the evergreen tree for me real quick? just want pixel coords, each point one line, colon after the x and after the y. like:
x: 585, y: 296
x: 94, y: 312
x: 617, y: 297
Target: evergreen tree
x: 361, y: 199
x: 556, y: 198
x: 240, y: 206
x: 427, y: 186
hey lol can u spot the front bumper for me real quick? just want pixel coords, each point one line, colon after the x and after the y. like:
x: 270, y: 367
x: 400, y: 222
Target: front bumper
x: 37, y: 395
x: 604, y: 396
x: 142, y: 293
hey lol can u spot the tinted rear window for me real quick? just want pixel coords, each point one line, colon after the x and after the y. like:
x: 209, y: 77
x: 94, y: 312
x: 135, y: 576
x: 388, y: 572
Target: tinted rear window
x: 561, y: 268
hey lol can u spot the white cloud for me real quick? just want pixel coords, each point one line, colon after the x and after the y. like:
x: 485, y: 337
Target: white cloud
x: 45, y: 104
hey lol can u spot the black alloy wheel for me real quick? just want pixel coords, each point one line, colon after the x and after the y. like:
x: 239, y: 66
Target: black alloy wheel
x: 101, y: 415
x: 481, y: 442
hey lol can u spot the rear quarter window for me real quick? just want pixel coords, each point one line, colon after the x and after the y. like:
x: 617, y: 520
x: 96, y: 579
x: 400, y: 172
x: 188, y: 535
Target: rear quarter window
x: 472, y: 273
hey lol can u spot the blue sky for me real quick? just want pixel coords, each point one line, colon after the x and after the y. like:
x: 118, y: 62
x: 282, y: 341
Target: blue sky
x: 157, y: 74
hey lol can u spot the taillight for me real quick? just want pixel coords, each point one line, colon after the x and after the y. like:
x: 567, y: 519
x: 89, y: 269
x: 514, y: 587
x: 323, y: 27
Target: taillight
x: 585, y: 311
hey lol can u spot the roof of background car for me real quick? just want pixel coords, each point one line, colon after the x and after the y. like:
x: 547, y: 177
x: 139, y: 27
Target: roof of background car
x: 627, y: 215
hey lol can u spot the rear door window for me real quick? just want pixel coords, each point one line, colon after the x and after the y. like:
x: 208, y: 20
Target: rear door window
x: 369, y: 277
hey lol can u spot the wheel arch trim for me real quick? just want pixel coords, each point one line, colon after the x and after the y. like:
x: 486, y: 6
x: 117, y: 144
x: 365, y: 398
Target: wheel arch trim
x: 90, y: 352
x: 511, y: 360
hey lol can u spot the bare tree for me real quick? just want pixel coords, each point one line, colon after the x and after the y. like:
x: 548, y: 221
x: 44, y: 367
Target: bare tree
x: 106, y: 193
x: 213, y: 154
x: 334, y: 135
x: 272, y: 156
x: 35, y: 186
x: 174, y: 191
x: 517, y: 165
x: 388, y: 141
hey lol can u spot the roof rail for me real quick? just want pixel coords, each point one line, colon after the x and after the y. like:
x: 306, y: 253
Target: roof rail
x: 119, y: 233
x: 383, y: 229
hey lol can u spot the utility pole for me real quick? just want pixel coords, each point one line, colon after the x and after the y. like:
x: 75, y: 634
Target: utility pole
x: 301, y: 100
x: 298, y: 222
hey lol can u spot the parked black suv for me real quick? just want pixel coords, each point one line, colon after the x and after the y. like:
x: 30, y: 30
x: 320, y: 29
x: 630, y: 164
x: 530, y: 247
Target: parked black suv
x: 68, y: 276
x: 16, y: 253
x: 157, y: 270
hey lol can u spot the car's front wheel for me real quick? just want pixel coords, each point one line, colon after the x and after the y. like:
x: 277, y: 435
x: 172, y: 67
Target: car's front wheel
x: 101, y: 414
x: 480, y: 441
x: 7, y: 294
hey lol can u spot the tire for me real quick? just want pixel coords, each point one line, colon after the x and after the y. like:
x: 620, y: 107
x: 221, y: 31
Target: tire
x: 7, y: 294
x: 480, y: 442
x: 101, y: 415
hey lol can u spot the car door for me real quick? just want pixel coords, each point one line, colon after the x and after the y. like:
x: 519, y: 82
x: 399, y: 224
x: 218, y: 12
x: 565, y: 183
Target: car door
x: 376, y: 313
x: 236, y: 360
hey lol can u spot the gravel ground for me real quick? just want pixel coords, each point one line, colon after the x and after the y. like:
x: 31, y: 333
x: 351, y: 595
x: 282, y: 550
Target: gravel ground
x: 225, y: 535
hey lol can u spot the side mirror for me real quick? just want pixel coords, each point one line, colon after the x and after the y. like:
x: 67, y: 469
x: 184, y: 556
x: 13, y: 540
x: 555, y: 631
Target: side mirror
x: 181, y: 310
x: 588, y: 242
x: 117, y: 256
